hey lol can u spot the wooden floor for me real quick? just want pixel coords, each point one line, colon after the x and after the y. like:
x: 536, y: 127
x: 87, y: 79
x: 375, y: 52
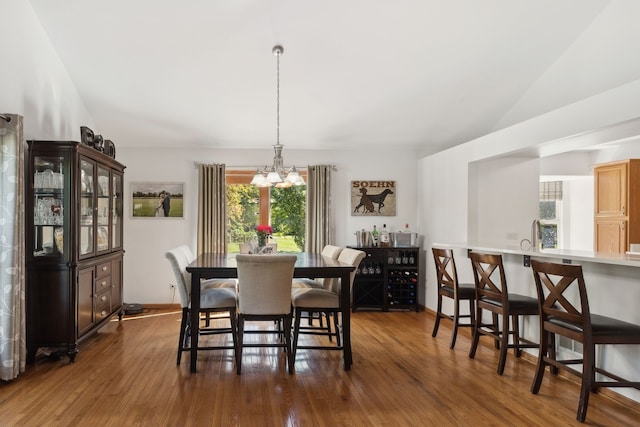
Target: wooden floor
x: 126, y: 375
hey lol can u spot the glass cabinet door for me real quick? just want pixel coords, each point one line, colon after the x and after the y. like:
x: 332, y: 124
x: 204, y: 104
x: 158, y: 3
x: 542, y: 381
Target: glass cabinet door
x: 48, y: 206
x: 87, y: 204
x: 116, y: 218
x: 104, y: 197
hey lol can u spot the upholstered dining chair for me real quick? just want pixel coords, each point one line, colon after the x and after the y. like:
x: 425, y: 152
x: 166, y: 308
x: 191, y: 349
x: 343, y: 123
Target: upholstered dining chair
x: 449, y: 287
x: 264, y: 294
x: 493, y: 295
x: 208, y: 283
x: 212, y: 300
x: 324, y: 301
x: 329, y: 251
x: 564, y: 310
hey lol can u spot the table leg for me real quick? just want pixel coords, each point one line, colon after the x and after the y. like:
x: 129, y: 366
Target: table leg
x: 346, y: 319
x: 194, y: 319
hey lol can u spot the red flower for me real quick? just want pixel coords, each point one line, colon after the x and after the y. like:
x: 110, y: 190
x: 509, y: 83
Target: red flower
x: 266, y: 229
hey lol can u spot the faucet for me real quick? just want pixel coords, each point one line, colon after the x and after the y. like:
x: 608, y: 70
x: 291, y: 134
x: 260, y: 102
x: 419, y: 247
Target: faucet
x: 536, y: 234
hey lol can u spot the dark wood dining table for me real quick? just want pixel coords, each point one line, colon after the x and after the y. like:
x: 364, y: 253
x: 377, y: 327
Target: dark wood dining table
x: 218, y: 265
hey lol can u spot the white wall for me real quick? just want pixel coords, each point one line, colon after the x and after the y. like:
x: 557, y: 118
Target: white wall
x: 33, y: 81
x: 147, y: 274
x: 503, y: 200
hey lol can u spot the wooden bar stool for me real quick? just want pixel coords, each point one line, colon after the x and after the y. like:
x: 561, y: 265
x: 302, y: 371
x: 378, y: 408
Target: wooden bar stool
x: 448, y: 286
x: 492, y: 295
x: 555, y: 284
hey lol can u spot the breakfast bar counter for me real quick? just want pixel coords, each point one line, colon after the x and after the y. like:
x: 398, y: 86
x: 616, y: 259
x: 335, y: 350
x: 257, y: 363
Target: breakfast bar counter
x: 630, y: 259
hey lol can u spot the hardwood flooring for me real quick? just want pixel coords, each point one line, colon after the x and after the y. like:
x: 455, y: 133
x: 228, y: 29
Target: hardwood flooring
x: 126, y: 376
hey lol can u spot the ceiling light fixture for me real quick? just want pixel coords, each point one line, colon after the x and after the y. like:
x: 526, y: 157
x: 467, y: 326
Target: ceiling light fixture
x: 278, y: 174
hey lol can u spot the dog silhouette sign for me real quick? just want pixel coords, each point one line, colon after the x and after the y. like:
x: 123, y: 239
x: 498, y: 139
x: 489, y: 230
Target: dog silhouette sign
x: 373, y: 198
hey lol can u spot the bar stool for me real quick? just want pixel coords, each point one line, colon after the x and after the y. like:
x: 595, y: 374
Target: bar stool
x: 448, y: 286
x: 493, y: 296
x: 555, y: 283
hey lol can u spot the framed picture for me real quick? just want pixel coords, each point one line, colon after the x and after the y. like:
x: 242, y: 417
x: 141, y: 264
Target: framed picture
x: 157, y: 200
x: 373, y: 198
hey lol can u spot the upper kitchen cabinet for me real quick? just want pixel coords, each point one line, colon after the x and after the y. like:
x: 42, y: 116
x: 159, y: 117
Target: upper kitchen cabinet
x: 74, y: 247
x: 617, y: 205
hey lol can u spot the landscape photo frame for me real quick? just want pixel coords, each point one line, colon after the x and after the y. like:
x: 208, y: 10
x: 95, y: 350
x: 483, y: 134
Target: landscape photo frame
x: 158, y: 200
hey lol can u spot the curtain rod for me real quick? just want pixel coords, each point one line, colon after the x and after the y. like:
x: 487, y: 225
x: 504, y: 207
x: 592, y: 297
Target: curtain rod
x: 196, y: 164
x: 5, y: 118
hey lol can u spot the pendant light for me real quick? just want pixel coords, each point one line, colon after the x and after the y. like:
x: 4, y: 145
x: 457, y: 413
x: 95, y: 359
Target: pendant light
x: 278, y: 175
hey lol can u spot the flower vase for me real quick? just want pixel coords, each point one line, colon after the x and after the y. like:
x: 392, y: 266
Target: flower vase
x: 262, y: 245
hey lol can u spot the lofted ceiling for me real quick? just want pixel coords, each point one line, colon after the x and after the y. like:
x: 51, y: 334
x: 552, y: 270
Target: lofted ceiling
x: 359, y: 74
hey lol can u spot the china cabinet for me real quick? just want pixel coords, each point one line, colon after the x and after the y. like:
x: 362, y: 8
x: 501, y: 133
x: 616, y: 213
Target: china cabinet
x: 617, y: 205
x: 387, y: 279
x: 74, y: 250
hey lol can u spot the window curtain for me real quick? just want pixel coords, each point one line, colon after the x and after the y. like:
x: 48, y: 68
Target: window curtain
x: 319, y: 224
x: 212, y: 212
x: 12, y: 247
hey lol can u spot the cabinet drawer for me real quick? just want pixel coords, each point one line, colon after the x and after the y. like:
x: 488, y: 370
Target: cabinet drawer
x: 102, y: 284
x: 103, y: 269
x: 102, y: 306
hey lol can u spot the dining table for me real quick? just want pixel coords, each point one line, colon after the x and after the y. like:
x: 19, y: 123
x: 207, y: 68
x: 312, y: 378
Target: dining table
x: 314, y: 265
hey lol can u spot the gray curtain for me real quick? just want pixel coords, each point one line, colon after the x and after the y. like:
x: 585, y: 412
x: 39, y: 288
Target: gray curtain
x: 212, y: 212
x: 12, y: 259
x: 319, y: 222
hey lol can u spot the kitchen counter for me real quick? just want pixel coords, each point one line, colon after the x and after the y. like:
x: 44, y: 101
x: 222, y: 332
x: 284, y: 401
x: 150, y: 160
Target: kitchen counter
x: 631, y: 259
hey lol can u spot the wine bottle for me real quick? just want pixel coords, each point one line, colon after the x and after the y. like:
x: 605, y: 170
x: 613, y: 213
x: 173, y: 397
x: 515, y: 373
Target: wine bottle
x: 374, y: 236
x: 385, y: 240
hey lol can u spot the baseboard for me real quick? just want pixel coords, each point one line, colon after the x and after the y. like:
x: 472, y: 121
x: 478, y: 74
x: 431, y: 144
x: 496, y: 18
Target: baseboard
x: 162, y: 306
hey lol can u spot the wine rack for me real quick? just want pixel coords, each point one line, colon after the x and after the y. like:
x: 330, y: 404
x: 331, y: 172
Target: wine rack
x: 387, y: 279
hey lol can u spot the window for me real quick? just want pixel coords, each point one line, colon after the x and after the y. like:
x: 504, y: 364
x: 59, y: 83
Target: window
x: 248, y: 206
x: 550, y: 212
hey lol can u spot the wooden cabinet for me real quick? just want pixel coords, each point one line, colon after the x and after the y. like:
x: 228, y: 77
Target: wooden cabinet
x: 73, y: 244
x: 387, y: 279
x: 617, y: 206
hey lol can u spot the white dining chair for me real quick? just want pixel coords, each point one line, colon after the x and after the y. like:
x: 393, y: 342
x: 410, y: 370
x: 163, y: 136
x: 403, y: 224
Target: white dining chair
x: 212, y: 300
x: 332, y: 252
x: 329, y: 251
x: 264, y: 294
x: 324, y: 301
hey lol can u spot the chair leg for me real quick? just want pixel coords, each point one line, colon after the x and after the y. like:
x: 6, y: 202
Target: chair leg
x: 552, y: 351
x: 456, y: 314
x: 296, y: 332
x: 436, y: 325
x: 287, y: 340
x: 475, y: 333
x: 504, y: 344
x: 472, y: 311
x: 542, y: 353
x: 337, y: 328
x: 588, y: 373
x: 516, y: 336
x: 328, y: 316
x: 233, y: 319
x: 240, y: 343
x: 495, y: 329
x: 183, y: 326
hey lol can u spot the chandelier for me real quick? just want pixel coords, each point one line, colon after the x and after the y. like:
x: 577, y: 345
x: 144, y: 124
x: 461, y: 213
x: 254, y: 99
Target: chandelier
x: 278, y: 175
